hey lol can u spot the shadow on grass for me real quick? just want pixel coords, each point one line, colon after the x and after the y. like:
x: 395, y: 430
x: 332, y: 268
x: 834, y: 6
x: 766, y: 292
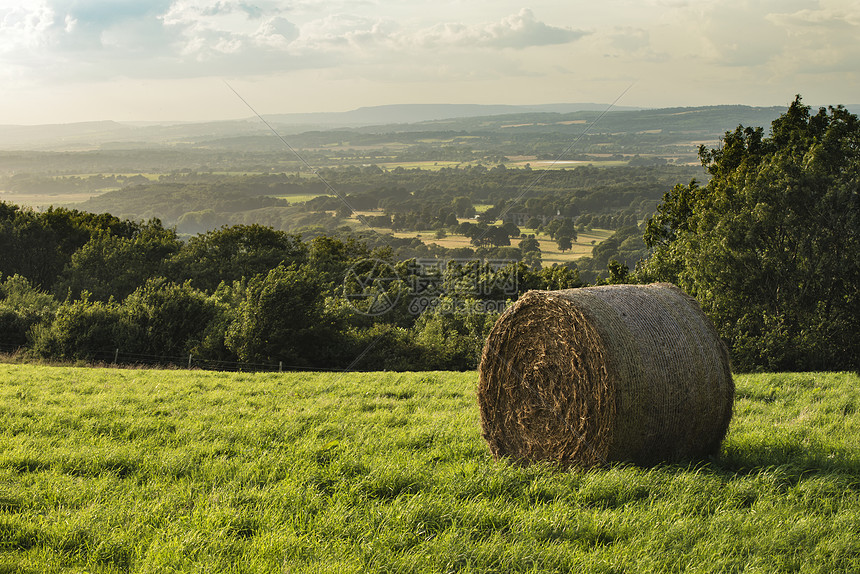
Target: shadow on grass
x: 793, y: 459
x: 805, y: 456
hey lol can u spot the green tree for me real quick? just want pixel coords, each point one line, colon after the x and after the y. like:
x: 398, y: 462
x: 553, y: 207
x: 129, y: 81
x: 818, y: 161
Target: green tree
x: 492, y: 214
x: 230, y: 253
x: 466, y: 228
x: 550, y: 278
x: 111, y: 265
x: 533, y: 259
x: 564, y: 243
x: 39, y: 245
x: 21, y: 308
x: 282, y: 319
x: 511, y: 228
x: 453, y: 333
x: 463, y: 207
x: 499, y: 236
x: 552, y: 227
x: 331, y: 257
x: 529, y: 244
x: 198, y: 221
x: 81, y: 329
x: 771, y: 245
x: 567, y: 228
x: 618, y: 272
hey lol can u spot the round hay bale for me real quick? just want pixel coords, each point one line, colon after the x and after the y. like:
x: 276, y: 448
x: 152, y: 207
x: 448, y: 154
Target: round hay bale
x: 600, y: 374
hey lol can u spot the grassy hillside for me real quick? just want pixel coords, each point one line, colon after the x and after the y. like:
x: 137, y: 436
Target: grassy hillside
x: 107, y: 470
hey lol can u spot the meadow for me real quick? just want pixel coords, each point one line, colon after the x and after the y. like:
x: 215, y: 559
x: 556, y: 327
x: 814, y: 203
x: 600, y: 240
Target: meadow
x: 112, y: 470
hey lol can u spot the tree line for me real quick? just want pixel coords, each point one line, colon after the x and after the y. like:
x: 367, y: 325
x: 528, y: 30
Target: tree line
x: 76, y: 285
x: 411, y: 199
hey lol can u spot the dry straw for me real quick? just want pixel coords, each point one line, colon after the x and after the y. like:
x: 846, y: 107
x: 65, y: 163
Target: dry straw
x: 612, y: 373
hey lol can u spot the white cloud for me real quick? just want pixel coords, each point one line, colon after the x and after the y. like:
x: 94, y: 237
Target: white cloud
x: 345, y: 31
x: 670, y: 3
x: 276, y: 33
x: 24, y: 27
x: 101, y: 39
x: 823, y: 40
x: 517, y: 31
x: 828, y: 15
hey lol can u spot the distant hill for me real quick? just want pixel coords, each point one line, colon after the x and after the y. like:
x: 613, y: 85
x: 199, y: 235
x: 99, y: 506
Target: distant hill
x: 413, y: 113
x: 707, y: 121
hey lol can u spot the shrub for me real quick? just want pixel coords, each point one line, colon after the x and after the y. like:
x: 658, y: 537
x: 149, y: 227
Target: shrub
x: 21, y: 307
x: 282, y: 318
x: 165, y: 319
x: 81, y: 329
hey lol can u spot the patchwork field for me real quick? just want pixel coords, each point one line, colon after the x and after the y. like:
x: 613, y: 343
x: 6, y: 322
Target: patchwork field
x: 550, y: 253
x: 108, y: 470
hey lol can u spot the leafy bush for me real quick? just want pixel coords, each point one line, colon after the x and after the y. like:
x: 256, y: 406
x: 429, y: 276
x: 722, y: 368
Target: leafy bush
x: 282, y: 318
x: 453, y: 334
x: 158, y: 320
x: 81, y: 329
x: 21, y: 307
x: 230, y: 253
x: 165, y: 319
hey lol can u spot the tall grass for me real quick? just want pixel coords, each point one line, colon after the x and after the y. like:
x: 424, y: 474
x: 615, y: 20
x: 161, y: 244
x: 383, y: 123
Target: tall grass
x: 163, y: 471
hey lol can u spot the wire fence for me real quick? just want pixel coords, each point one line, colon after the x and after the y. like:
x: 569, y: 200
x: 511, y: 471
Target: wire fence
x: 119, y: 358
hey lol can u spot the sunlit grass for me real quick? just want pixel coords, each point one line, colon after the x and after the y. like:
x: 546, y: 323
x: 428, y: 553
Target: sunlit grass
x: 298, y: 197
x: 428, y: 165
x: 106, y: 470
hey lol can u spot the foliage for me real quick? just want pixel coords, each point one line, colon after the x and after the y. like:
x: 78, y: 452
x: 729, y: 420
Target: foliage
x: 778, y: 273
x: 454, y: 331
x: 282, y: 319
x: 331, y: 257
x: 38, y: 245
x: 529, y: 244
x: 163, y: 319
x: 382, y: 346
x: 159, y: 321
x: 81, y: 329
x: 564, y: 243
x: 111, y: 265
x: 21, y: 307
x: 558, y: 228
x: 231, y: 253
x: 771, y: 246
x: 413, y: 199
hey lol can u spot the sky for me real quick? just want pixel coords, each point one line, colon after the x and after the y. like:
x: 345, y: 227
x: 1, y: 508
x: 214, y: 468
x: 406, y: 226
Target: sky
x: 67, y: 61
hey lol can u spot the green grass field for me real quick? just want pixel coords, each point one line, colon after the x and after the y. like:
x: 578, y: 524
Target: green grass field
x: 107, y: 470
